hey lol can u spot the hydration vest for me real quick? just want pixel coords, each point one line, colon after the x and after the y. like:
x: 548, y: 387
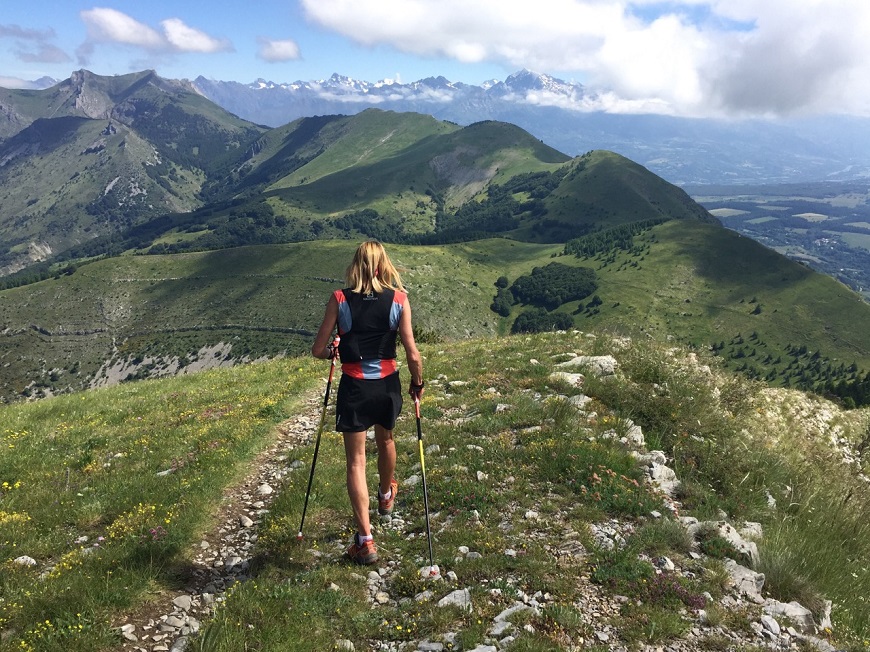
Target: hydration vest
x: 368, y: 325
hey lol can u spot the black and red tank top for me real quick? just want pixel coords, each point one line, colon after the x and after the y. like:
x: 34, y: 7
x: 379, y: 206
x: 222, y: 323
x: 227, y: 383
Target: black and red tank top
x: 368, y: 325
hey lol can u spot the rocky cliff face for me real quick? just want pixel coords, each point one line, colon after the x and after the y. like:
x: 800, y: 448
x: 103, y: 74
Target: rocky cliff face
x: 87, y: 98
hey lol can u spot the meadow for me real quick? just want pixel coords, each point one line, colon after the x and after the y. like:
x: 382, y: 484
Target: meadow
x: 153, y: 315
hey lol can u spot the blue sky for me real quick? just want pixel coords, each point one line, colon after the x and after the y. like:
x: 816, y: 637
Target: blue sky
x: 687, y: 57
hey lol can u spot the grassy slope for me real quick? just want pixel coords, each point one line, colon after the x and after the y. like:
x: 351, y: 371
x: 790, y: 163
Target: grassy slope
x: 66, y: 182
x: 77, y: 160
x: 85, y: 465
x: 706, y: 295
x: 388, y: 161
x: 367, y: 138
x: 267, y: 300
x: 171, y: 305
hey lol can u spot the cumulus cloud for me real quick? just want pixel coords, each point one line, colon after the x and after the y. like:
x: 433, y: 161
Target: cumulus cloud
x: 278, y: 51
x: 688, y: 56
x: 33, y: 46
x: 188, y: 39
x: 106, y: 25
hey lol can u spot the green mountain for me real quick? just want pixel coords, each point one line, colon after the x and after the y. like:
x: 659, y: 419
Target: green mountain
x: 96, y: 155
x: 100, y: 165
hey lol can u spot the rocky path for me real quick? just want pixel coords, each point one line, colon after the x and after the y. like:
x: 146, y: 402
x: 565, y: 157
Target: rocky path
x: 223, y: 555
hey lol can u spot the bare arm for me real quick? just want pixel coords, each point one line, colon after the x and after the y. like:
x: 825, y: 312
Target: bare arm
x: 406, y: 334
x: 324, y: 333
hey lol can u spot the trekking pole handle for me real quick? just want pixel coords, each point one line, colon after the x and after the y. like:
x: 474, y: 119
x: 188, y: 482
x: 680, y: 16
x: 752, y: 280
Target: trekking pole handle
x: 333, y: 354
x: 332, y: 347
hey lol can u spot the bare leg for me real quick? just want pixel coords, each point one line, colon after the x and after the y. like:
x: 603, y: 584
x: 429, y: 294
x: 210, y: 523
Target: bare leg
x: 386, y: 457
x: 357, y: 488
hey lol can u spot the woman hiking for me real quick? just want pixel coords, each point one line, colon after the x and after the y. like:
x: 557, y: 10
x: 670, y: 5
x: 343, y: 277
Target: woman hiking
x: 370, y: 312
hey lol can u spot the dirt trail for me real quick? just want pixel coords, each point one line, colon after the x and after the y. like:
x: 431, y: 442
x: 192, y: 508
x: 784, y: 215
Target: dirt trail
x: 222, y: 556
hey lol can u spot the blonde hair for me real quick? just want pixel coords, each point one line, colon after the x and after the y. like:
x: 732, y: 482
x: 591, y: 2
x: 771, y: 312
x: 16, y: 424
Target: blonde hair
x: 372, y: 270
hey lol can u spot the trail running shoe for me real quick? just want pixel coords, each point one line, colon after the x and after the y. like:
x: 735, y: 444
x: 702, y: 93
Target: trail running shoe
x: 385, y: 506
x: 362, y: 553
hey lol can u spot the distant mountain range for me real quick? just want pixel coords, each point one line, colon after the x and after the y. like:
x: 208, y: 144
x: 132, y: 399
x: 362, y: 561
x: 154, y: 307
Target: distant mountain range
x: 573, y: 119
x: 97, y: 165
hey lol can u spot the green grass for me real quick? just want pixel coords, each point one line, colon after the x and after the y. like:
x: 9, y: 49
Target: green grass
x: 857, y: 240
x: 268, y: 300
x: 86, y: 464
x: 715, y: 281
x: 260, y: 301
x: 81, y: 492
x: 706, y: 425
x: 388, y: 162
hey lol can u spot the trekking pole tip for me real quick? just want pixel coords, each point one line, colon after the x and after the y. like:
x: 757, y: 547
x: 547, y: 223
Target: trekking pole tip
x: 299, y: 536
x: 430, y: 572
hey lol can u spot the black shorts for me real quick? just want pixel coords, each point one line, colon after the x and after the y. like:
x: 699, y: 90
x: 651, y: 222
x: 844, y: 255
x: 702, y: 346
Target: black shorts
x: 362, y: 404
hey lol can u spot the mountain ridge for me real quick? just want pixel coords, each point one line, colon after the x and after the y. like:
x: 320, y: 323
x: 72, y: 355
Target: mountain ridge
x: 575, y: 119
x: 96, y: 157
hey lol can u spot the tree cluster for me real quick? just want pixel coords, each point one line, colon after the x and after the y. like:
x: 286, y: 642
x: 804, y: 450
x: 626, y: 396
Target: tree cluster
x: 554, y: 284
x: 855, y: 393
x: 619, y: 237
x: 539, y: 320
x: 372, y: 224
x: 538, y: 185
x: 797, y: 367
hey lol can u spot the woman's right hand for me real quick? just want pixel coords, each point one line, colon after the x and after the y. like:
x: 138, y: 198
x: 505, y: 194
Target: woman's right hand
x: 416, y: 391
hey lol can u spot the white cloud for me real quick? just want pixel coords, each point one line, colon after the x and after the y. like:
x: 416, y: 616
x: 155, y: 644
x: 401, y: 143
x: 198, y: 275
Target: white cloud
x: 33, y: 46
x: 188, y: 39
x: 691, y: 56
x: 15, y: 31
x: 278, y: 51
x: 16, y: 83
x: 106, y: 25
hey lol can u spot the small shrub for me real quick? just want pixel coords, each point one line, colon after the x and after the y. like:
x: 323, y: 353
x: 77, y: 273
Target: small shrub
x: 714, y: 545
x: 715, y: 577
x: 785, y: 582
x: 697, y: 499
x: 651, y: 624
x: 663, y: 536
x: 620, y: 570
x: 671, y: 591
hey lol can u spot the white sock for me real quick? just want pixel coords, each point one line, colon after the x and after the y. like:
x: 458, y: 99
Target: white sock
x: 387, y: 495
x: 363, y: 539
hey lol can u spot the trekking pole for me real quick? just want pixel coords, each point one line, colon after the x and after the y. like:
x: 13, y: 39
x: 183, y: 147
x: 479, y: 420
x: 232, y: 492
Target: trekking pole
x: 423, y: 467
x: 319, y: 431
